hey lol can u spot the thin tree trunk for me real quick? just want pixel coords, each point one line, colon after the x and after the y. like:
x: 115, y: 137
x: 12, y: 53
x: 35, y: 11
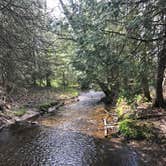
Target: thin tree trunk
x: 34, y: 80
x: 64, y: 80
x: 48, y: 81
x: 145, y: 87
x: 159, y: 102
x: 115, y: 94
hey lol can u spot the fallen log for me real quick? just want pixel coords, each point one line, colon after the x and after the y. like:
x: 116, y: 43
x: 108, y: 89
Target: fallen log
x: 51, y: 107
x: 150, y: 116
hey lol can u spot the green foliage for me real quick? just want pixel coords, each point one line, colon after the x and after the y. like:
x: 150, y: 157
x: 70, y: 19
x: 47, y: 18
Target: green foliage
x: 105, y: 43
x: 55, y: 83
x: 128, y: 126
x: 119, y: 109
x: 139, y: 99
x: 97, y: 54
x: 133, y: 129
x: 123, y: 109
x: 84, y: 83
x: 69, y: 92
x: 20, y: 112
x: 24, y: 57
x: 103, y: 53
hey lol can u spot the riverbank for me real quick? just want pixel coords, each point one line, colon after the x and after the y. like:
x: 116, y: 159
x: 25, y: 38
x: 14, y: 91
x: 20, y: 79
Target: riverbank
x: 28, y: 106
x: 143, y: 129
x: 74, y: 135
x: 81, y: 121
x: 151, y: 152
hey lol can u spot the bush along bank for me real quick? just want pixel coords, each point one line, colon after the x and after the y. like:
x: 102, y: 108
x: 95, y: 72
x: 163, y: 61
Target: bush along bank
x: 139, y: 121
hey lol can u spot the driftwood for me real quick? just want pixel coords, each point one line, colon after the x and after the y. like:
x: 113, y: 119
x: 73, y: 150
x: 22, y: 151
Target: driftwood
x: 49, y: 108
x: 53, y: 108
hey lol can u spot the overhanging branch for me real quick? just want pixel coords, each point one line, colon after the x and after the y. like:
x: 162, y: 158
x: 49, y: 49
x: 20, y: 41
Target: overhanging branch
x: 133, y: 37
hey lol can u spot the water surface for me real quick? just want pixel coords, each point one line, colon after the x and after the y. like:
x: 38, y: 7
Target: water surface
x: 64, y: 139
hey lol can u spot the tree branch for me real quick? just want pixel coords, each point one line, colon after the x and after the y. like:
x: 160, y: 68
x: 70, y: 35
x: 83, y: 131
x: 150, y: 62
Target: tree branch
x: 133, y: 37
x: 4, y: 7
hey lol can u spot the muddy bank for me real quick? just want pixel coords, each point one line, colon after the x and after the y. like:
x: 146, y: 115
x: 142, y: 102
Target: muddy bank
x: 9, y: 118
x: 32, y: 112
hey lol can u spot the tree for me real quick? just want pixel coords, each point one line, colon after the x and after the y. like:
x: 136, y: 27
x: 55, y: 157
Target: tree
x: 150, y: 22
x: 23, y: 42
x: 113, y: 34
x: 99, y: 54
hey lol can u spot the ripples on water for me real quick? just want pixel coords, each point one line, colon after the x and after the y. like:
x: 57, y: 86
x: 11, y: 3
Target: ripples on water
x: 50, y: 146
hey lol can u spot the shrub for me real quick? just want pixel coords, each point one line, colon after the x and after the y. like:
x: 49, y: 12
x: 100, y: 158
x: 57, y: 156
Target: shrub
x: 132, y: 129
x: 123, y: 110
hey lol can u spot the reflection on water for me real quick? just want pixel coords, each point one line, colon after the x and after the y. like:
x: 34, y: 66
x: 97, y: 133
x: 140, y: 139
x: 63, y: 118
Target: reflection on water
x: 53, y: 143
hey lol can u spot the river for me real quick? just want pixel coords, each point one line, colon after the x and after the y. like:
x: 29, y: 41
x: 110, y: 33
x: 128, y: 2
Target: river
x: 67, y: 138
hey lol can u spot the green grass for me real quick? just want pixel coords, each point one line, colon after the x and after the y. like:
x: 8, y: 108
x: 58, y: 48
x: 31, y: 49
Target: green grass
x: 20, y: 112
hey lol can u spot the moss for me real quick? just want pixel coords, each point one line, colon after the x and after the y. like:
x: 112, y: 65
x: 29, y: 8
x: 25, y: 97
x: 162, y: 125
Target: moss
x: 20, y: 112
x: 133, y: 129
x: 44, y: 107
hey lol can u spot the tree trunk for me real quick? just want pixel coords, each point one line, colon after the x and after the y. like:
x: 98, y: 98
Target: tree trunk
x: 10, y: 72
x: 111, y: 96
x: 114, y: 96
x: 64, y: 80
x: 145, y: 87
x: 34, y: 80
x: 159, y: 102
x: 48, y: 81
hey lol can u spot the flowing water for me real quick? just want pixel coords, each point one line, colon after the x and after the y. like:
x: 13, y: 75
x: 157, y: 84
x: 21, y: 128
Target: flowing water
x: 64, y: 139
